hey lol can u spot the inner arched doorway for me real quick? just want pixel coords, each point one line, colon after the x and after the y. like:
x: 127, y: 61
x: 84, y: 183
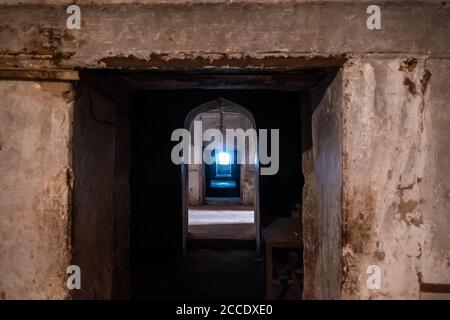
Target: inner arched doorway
x: 221, y: 198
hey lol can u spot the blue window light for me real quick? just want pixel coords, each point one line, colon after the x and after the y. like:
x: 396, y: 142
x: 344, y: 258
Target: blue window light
x: 223, y: 158
x: 223, y: 184
x: 223, y: 165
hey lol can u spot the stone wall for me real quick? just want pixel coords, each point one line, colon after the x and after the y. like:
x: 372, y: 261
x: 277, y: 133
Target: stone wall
x: 394, y: 132
x: 101, y: 194
x: 395, y: 164
x: 227, y: 34
x: 322, y: 167
x: 396, y: 175
x: 36, y: 178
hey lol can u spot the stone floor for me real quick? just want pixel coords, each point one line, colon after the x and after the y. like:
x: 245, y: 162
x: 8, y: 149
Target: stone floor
x: 240, y: 231
x: 221, y: 222
x: 219, y: 216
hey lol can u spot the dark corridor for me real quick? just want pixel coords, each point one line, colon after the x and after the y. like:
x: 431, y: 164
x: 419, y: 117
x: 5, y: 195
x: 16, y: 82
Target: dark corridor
x: 158, y: 268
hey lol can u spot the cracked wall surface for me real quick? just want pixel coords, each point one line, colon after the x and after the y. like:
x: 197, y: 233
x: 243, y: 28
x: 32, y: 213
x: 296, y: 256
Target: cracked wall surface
x: 396, y: 175
x: 35, y: 170
x: 229, y: 34
x: 394, y: 129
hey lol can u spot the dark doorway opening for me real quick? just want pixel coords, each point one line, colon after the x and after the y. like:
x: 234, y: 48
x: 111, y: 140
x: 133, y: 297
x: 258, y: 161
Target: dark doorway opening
x: 223, y: 176
x: 220, y: 198
x: 128, y: 194
x: 210, y: 269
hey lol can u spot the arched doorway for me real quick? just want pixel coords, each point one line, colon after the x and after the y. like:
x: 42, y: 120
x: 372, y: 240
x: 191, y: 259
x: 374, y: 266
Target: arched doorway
x: 221, y: 199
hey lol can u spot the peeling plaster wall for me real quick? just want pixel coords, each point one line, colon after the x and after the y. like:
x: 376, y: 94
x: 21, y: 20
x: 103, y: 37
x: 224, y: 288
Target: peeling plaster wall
x: 228, y: 34
x: 396, y: 175
x: 395, y: 149
x: 35, y: 184
x: 322, y: 194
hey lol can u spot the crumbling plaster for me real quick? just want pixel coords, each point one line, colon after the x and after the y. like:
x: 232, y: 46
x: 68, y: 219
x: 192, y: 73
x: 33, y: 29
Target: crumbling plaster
x: 396, y: 175
x: 395, y: 123
x: 285, y: 34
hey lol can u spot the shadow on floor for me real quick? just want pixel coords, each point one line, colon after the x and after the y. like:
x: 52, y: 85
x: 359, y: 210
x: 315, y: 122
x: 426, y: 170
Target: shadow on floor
x: 202, y: 274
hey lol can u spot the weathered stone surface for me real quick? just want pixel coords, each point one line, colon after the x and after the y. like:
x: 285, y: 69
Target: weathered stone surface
x: 220, y: 34
x: 101, y: 203
x: 396, y: 175
x: 381, y: 130
x: 35, y: 170
x: 322, y: 167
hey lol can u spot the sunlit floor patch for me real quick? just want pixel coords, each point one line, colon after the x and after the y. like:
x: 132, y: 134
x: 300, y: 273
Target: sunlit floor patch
x: 212, y: 222
x: 205, y: 217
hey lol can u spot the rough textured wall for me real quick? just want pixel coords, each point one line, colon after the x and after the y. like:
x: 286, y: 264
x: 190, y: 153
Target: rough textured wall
x: 396, y: 174
x: 93, y: 192
x: 35, y: 170
x: 233, y: 33
x: 100, y: 198
x: 309, y: 200
x: 289, y: 35
x: 322, y: 195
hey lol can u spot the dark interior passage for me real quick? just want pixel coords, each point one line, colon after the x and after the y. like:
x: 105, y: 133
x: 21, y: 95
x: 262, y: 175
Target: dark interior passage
x: 156, y: 201
x: 202, y: 274
x: 222, y: 180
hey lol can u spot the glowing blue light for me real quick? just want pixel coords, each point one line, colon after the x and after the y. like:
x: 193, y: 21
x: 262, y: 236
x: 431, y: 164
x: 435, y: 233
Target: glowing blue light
x: 223, y: 184
x: 223, y: 158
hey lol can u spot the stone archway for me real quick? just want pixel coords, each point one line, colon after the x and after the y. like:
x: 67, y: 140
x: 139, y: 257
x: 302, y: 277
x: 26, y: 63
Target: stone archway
x: 249, y: 172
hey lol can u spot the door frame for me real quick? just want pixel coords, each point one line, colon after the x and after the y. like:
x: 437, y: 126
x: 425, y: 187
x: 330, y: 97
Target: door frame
x: 185, y: 169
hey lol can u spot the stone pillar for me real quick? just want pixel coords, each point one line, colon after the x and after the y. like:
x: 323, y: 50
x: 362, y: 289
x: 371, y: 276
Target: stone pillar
x: 396, y: 198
